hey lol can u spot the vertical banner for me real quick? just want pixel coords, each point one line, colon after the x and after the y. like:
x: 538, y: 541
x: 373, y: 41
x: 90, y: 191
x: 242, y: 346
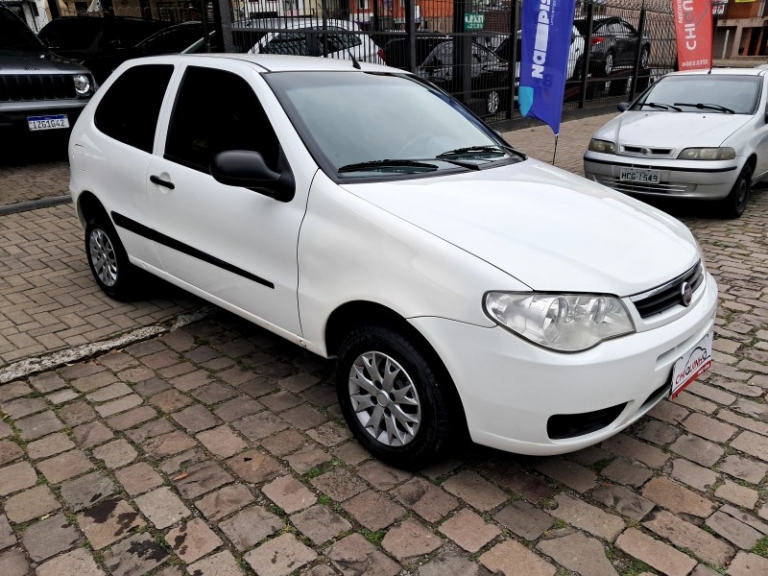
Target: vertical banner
x: 547, y: 28
x: 693, y: 29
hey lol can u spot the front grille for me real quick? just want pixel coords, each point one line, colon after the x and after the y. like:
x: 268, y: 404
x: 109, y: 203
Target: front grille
x: 649, y: 152
x: 29, y: 88
x: 639, y: 188
x: 667, y: 295
x: 562, y: 426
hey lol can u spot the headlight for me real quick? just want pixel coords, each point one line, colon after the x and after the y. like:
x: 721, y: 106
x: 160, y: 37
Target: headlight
x: 82, y: 84
x: 707, y: 154
x: 562, y: 322
x: 603, y: 146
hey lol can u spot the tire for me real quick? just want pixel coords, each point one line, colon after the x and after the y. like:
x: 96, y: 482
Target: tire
x: 107, y: 259
x: 644, y: 57
x: 493, y: 102
x: 608, y: 63
x: 426, y: 425
x: 733, y: 205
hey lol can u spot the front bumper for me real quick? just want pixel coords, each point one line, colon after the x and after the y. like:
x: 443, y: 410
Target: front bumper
x: 510, y: 388
x: 679, y: 178
x: 15, y: 117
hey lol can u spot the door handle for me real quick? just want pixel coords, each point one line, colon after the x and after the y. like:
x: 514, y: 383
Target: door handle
x: 160, y: 182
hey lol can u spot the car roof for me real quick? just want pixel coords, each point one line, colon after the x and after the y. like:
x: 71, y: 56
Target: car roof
x: 277, y: 62
x: 721, y: 72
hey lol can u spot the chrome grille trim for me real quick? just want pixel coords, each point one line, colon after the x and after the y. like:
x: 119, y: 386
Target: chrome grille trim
x: 666, y: 295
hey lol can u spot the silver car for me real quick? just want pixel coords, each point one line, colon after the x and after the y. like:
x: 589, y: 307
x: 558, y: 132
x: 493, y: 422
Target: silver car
x: 38, y: 90
x: 699, y: 135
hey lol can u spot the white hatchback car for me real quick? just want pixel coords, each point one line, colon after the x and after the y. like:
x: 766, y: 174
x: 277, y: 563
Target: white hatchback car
x: 458, y: 284
x: 701, y: 135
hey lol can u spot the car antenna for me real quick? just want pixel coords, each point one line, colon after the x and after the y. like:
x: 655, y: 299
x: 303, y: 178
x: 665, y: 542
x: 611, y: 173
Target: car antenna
x: 355, y: 63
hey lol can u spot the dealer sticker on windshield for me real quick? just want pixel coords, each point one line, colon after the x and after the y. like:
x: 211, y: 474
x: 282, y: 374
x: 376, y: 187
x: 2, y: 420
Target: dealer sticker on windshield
x: 691, y: 365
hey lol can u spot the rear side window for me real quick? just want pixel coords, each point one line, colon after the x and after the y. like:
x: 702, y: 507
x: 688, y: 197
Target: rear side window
x: 291, y: 43
x: 129, y: 110
x: 217, y: 111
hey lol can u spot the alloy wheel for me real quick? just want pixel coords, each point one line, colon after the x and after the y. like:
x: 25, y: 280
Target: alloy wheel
x: 492, y: 102
x: 103, y: 257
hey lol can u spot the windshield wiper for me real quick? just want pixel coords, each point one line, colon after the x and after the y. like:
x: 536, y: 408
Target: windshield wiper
x: 660, y: 106
x: 489, y: 149
x: 376, y: 164
x: 701, y: 106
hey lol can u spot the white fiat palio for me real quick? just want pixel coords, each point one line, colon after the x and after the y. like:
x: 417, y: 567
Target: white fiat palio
x: 365, y: 215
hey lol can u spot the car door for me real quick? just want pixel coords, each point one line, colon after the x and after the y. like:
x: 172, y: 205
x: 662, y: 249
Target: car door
x: 125, y: 129
x: 761, y: 129
x: 235, y: 245
x: 627, y: 39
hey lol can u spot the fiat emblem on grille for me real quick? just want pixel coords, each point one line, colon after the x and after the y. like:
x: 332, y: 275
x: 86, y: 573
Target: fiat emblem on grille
x: 686, y: 294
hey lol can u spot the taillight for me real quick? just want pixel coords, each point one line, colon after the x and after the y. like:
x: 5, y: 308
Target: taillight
x: 597, y: 40
x: 381, y: 55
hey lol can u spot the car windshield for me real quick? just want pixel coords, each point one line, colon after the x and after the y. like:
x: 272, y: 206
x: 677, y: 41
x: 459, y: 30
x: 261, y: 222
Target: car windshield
x: 15, y: 36
x: 71, y: 33
x: 373, y: 125
x: 710, y: 93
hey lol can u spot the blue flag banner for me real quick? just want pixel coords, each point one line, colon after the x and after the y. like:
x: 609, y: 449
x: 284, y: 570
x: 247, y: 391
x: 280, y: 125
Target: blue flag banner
x: 547, y: 27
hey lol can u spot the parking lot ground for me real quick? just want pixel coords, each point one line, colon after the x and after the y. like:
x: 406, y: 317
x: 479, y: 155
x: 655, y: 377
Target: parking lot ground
x: 218, y: 448
x: 32, y: 170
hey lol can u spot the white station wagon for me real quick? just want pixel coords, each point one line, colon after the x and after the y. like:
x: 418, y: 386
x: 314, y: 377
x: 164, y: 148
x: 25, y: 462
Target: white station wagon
x: 365, y: 215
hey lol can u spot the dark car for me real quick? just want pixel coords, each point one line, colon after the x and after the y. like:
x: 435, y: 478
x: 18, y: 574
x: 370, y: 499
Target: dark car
x: 434, y: 59
x: 613, y: 45
x: 39, y: 91
x: 97, y: 42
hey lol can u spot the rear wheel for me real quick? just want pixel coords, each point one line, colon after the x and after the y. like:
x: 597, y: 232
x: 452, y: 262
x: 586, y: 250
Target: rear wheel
x: 492, y: 102
x: 734, y: 204
x: 608, y: 64
x: 107, y: 259
x: 391, y: 397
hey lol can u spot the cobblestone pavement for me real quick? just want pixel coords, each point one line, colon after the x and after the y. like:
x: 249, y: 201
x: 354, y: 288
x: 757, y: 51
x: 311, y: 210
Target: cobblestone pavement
x: 33, y: 170
x: 218, y: 449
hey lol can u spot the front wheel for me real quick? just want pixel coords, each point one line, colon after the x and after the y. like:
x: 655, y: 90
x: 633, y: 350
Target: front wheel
x: 391, y: 397
x: 608, y: 64
x: 492, y: 102
x: 734, y: 204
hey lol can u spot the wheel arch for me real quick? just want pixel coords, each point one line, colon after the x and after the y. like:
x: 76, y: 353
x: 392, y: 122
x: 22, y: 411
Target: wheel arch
x: 89, y: 206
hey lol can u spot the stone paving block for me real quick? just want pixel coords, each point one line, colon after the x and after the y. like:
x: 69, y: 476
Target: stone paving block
x: 136, y: 374
x: 23, y: 407
x: 588, y: 517
x: 510, y: 557
x: 162, y: 507
x: 319, y: 524
x: 170, y: 401
x: 223, y: 502
x: 16, y: 477
x: 351, y: 453
x: 87, y: 490
x: 736, y: 532
x: 373, y: 510
x: 744, y: 468
x: 92, y: 434
x: 9, y: 451
x: 77, y: 413
x: 739, y: 495
x: 7, y: 537
x: 179, y: 463
x: 151, y: 387
x: 303, y: 417
x: 237, y: 408
x: 658, y: 432
x: 13, y: 390
x: 76, y: 563
x: 93, y: 381
x: 685, y: 535
x: 514, y: 479
x: 752, y: 444
x: 469, y: 530
x: 655, y: 553
x: 698, y: 450
x: 475, y: 490
x: 524, y: 520
x: 168, y: 444
x: 65, y: 466
x: 150, y: 430
x: 214, y: 393
x: 110, y: 392
x: 623, y: 445
x: 49, y: 537
x: 409, y: 540
x: 195, y: 418
x: 47, y: 382
x: 677, y: 499
x: 289, y: 494
x: 132, y: 418
x: 693, y: 474
x: 449, y: 563
x: 115, y: 454
x: 626, y: 473
x: 31, y: 504
x: 709, y: 428
x: 39, y: 425
x: 192, y: 540
x: 255, y: 467
x: 381, y: 476
x: 261, y: 425
x: 429, y: 501
x: 339, y: 484
x: 354, y: 551
x: 250, y: 527
x: 221, y: 564
x: 191, y: 380
x: 138, y: 478
x: 108, y: 522
x: 136, y: 555
x: 579, y: 553
x: 624, y: 501
x: 568, y: 473
x: 748, y: 565
x: 280, y: 557
x: 201, y: 479
x: 48, y: 446
x: 283, y: 443
x: 330, y: 434
x: 310, y: 456
x: 119, y: 405
x: 61, y: 396
x: 745, y: 517
x: 222, y: 441
x: 13, y: 563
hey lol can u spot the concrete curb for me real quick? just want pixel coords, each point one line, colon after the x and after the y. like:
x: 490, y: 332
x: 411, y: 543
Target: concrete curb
x: 34, y: 204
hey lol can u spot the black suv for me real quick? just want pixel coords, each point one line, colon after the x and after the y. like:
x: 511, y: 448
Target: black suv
x: 97, y: 43
x: 38, y: 90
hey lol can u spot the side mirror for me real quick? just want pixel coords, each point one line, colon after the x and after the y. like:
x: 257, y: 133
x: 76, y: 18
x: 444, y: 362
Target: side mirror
x: 247, y: 168
x: 623, y: 106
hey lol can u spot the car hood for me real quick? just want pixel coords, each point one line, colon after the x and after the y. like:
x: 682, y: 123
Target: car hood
x: 26, y: 63
x: 546, y: 227
x: 672, y: 129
